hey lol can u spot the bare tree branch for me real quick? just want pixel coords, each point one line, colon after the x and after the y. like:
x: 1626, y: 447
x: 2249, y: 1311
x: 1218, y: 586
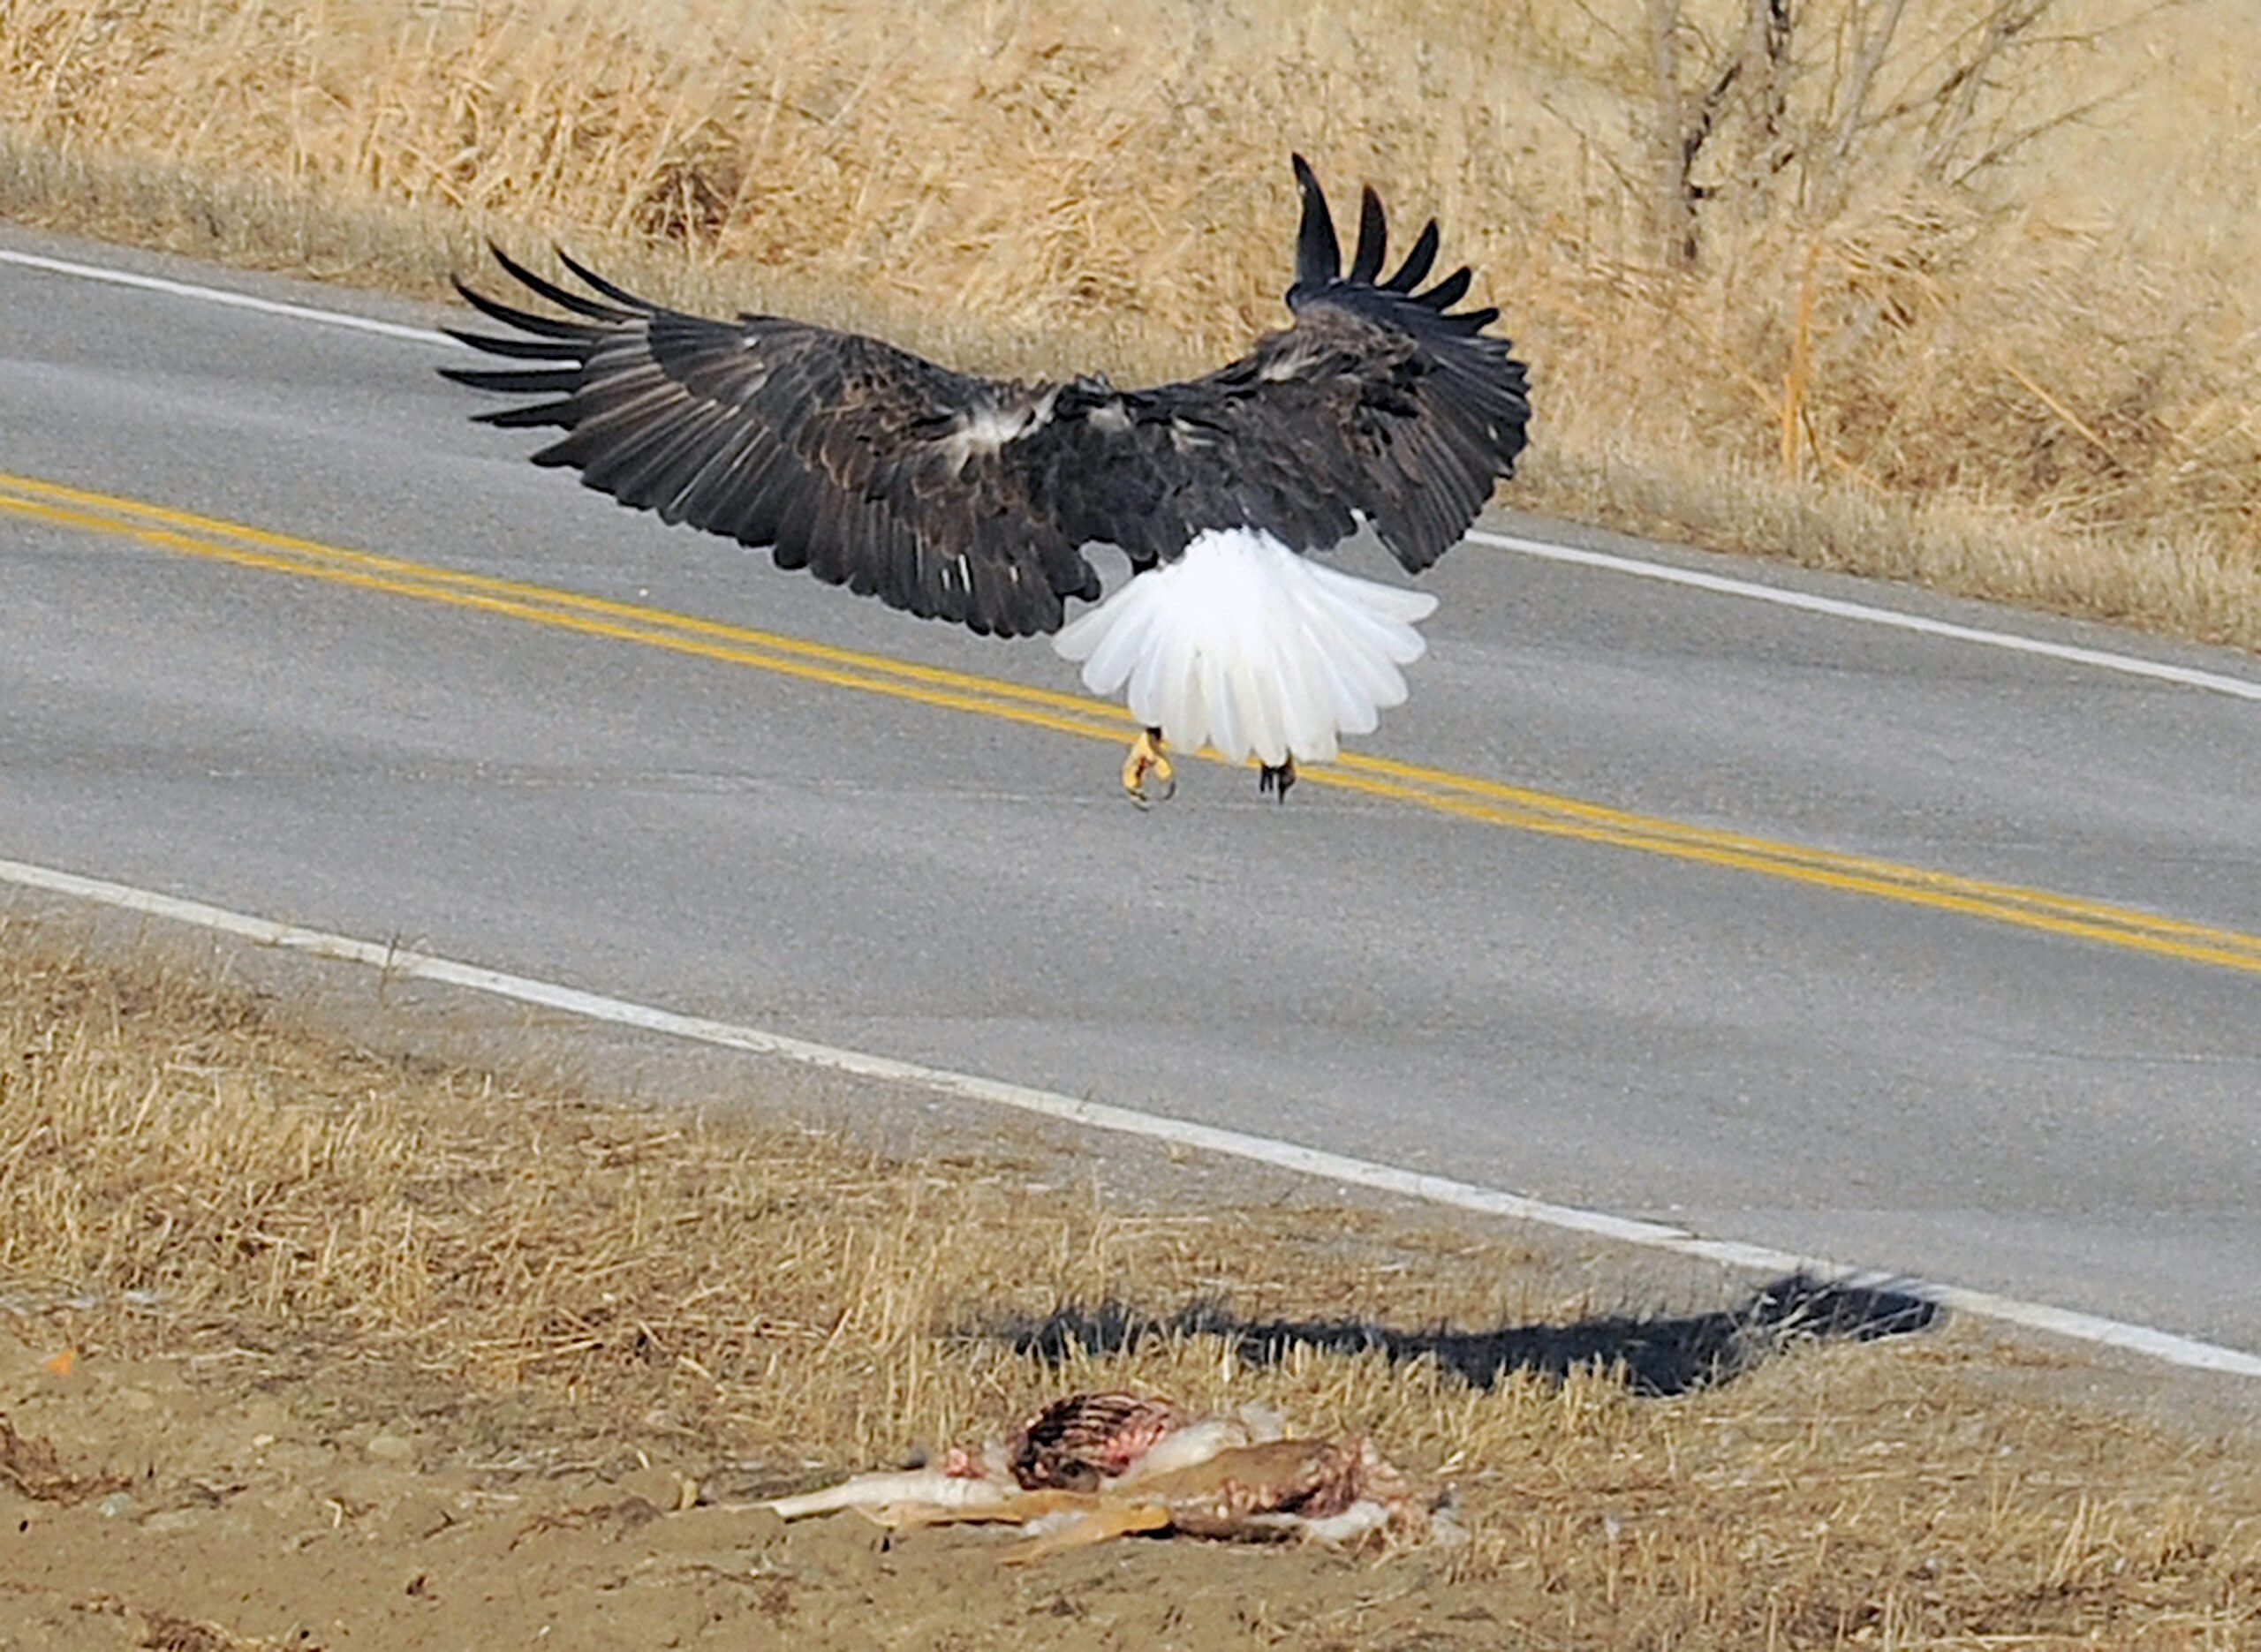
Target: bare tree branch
x: 1868, y: 57
x: 2002, y: 150
x: 1958, y: 99
x: 1674, y: 209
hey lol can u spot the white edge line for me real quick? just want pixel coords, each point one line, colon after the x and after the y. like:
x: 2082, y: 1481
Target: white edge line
x: 1335, y: 1167
x: 1835, y: 607
x: 222, y: 296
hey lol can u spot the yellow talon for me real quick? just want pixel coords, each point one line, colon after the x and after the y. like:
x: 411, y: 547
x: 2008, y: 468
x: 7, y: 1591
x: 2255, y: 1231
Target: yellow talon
x: 1147, y: 757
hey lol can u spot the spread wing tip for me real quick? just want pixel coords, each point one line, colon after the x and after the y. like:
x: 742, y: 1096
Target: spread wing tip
x: 625, y: 305
x: 1319, y: 257
x: 1373, y: 237
x: 1319, y: 254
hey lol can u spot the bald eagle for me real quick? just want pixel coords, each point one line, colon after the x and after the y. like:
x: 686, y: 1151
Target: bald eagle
x: 972, y: 500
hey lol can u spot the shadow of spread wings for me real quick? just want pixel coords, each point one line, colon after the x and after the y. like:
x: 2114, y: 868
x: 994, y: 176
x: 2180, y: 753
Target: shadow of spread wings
x: 970, y: 498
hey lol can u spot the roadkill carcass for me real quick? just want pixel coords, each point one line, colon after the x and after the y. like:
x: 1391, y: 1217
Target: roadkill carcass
x: 1096, y: 1466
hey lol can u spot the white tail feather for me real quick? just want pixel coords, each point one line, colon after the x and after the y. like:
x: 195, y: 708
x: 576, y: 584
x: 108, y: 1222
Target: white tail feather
x: 1242, y: 644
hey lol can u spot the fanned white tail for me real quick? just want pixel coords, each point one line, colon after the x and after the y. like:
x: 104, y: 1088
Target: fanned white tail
x: 1242, y: 644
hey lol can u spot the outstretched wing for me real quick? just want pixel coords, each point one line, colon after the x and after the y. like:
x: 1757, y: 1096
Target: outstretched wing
x: 1381, y: 401
x: 971, y: 499
x: 871, y: 467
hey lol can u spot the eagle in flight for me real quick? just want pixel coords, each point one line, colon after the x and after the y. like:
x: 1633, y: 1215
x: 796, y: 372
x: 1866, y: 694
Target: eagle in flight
x: 972, y: 500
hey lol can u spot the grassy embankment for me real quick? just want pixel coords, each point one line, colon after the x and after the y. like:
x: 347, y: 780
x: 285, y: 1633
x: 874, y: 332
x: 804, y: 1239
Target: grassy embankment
x: 1968, y: 294
x: 186, y: 1171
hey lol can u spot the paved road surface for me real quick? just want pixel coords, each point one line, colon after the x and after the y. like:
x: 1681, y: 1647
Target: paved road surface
x: 1868, y: 1067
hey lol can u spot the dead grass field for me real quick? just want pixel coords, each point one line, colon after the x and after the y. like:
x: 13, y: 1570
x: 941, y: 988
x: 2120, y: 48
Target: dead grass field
x: 1968, y: 294
x: 337, y: 1318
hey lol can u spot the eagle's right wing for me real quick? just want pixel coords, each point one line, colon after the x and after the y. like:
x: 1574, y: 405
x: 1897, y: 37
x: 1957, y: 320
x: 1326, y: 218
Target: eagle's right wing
x: 870, y: 466
x: 1382, y: 403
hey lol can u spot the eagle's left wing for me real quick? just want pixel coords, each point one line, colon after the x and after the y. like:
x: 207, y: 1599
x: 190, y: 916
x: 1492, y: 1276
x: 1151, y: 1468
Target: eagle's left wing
x: 870, y: 466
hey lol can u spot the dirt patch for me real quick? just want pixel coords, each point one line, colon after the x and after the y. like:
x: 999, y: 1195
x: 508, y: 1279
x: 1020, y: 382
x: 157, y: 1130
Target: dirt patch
x: 301, y: 1345
x: 271, y: 1507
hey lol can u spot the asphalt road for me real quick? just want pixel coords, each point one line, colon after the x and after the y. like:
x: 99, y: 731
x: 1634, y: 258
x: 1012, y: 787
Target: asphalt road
x: 1843, y: 1065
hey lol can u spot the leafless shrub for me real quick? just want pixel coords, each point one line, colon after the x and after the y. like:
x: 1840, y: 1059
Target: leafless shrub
x: 1793, y: 105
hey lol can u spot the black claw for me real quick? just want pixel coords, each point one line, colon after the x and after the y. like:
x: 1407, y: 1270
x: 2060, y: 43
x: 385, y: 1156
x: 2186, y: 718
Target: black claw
x: 1274, y: 782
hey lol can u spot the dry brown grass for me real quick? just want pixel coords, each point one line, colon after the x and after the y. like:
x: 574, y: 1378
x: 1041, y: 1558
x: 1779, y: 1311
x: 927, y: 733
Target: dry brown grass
x: 1946, y: 319
x: 182, y: 1169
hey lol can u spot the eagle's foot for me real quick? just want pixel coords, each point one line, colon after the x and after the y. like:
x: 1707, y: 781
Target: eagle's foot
x: 1274, y: 779
x: 1147, y: 757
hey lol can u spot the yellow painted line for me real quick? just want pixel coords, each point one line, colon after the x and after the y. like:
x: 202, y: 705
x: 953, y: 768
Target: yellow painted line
x: 1605, y: 824
x: 172, y: 539
x: 1614, y: 821
x: 126, y: 513
x: 2025, y: 909
x: 1462, y: 796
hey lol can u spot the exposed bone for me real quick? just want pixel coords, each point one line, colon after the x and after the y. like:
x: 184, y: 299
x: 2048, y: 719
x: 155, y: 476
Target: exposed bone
x: 928, y: 1488
x: 1194, y: 1443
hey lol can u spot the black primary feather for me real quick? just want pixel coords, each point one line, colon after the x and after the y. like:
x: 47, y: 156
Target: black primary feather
x: 970, y: 498
x: 1373, y: 239
x: 1318, y: 255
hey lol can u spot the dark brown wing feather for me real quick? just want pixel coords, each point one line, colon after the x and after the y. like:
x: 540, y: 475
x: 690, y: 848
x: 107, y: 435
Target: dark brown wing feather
x: 969, y: 499
x: 865, y: 464
x: 1381, y: 404
x: 1380, y: 400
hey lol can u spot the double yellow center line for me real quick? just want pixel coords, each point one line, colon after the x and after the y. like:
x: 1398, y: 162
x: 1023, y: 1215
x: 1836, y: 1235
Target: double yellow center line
x: 1464, y: 796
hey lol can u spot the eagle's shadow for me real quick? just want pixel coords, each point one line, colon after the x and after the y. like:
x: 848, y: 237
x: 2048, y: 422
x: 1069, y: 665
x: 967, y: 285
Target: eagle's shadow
x: 1659, y: 1355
